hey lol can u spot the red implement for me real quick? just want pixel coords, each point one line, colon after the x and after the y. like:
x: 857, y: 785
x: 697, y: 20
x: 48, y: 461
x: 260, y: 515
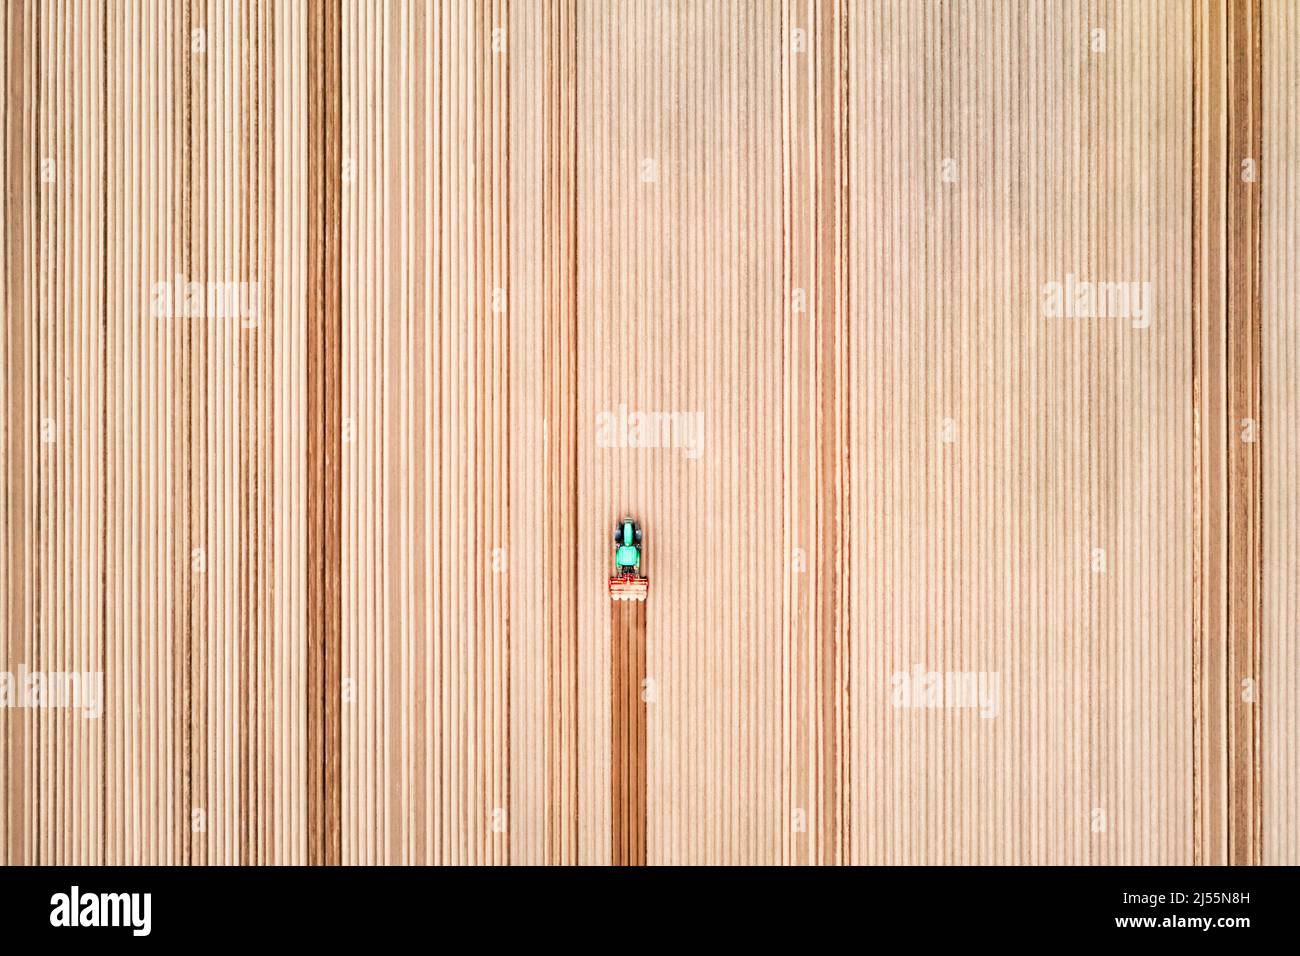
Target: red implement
x: 628, y: 587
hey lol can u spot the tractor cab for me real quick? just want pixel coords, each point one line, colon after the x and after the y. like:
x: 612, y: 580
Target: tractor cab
x: 627, y: 551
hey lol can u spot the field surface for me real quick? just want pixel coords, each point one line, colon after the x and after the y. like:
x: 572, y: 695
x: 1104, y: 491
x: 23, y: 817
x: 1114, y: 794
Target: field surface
x: 947, y: 354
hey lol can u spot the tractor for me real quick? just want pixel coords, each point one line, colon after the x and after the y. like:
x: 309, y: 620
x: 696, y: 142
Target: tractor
x: 628, y: 583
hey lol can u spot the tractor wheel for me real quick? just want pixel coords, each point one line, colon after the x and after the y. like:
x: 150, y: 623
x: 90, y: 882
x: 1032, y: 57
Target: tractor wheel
x: 636, y: 534
x: 618, y: 533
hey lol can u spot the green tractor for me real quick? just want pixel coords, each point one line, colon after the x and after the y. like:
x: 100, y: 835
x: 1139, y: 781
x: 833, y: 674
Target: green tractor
x: 628, y: 583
